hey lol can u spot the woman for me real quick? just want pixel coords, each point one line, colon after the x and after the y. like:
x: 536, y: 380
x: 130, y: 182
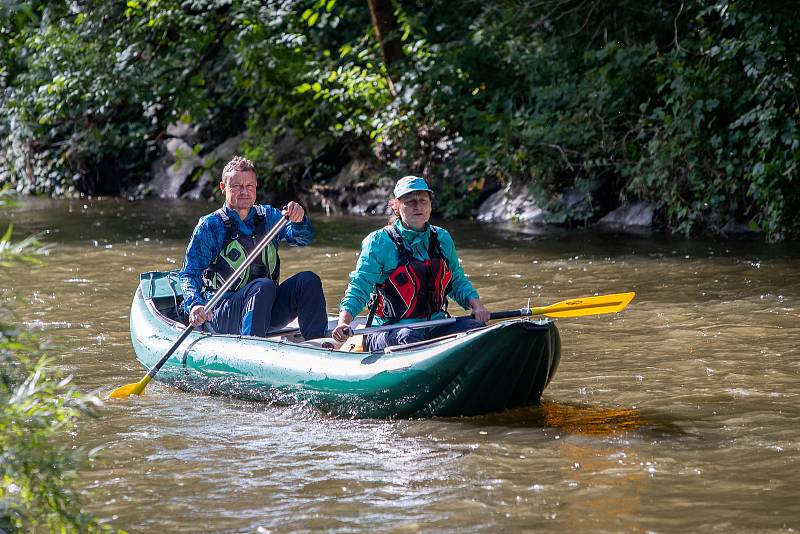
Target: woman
x: 413, y: 268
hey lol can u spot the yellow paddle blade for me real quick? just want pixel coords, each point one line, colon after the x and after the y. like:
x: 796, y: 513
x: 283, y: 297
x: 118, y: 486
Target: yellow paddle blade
x: 137, y: 388
x: 586, y: 306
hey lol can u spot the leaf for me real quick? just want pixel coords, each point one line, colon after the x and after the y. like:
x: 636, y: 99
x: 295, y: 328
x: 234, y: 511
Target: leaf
x: 7, y: 234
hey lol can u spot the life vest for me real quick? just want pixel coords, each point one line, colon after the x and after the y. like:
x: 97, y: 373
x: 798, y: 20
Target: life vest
x: 416, y: 288
x: 235, y: 249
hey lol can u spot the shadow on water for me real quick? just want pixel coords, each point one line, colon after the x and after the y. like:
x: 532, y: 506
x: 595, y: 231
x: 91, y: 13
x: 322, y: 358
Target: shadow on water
x: 594, y: 421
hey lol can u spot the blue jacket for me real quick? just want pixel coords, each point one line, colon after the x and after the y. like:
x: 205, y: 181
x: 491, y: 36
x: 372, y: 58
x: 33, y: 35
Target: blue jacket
x: 379, y: 257
x: 207, y: 241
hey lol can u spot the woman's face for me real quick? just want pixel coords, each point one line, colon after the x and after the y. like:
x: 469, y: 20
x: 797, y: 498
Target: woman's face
x: 414, y: 209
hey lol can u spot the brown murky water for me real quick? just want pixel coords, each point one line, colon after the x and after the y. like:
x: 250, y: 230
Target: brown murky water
x: 680, y: 414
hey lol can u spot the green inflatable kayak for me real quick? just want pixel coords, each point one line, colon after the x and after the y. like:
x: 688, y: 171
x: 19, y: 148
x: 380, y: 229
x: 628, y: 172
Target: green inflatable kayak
x: 502, y: 366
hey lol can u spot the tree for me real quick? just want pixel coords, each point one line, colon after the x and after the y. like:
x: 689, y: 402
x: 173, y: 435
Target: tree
x: 385, y: 25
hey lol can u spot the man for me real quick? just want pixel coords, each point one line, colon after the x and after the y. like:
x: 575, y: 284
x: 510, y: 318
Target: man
x: 220, y: 242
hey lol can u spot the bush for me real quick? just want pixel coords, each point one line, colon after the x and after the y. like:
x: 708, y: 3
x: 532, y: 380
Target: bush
x: 39, y: 410
x: 691, y: 106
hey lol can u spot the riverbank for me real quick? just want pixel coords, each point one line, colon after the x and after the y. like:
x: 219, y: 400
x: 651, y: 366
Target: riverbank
x: 686, y: 111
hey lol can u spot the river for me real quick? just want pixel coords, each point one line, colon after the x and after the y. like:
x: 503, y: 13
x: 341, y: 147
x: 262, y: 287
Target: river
x: 679, y: 414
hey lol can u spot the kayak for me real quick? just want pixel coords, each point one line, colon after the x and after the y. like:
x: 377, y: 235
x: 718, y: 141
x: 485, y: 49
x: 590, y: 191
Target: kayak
x: 504, y: 365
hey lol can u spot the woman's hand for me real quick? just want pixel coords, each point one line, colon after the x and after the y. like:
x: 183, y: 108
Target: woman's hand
x: 479, y: 311
x: 343, y: 330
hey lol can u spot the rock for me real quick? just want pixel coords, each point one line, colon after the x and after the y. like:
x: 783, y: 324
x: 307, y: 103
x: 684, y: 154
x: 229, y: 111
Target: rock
x: 182, y: 129
x: 173, y: 172
x: 733, y: 227
x: 174, y: 169
x: 635, y: 214
x: 201, y: 189
x: 216, y: 159
x: 512, y: 203
x: 356, y: 190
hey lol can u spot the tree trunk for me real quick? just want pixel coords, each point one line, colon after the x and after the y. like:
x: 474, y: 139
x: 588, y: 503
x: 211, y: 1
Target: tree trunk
x: 385, y: 24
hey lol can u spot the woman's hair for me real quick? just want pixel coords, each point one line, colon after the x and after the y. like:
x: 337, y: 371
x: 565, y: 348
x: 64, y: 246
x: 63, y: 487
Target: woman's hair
x: 392, y: 203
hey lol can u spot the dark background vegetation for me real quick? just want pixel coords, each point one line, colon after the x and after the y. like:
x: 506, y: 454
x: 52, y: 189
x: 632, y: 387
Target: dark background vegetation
x: 691, y: 106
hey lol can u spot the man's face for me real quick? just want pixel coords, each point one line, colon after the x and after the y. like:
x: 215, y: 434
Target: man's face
x: 240, y: 190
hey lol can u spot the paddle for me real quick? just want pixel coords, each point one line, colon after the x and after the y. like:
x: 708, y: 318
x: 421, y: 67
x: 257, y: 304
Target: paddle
x: 137, y: 388
x: 566, y: 308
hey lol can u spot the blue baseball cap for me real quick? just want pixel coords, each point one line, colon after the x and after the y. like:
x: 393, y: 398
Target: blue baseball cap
x: 409, y: 184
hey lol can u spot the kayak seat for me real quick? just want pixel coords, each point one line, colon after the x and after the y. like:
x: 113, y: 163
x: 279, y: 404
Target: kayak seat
x: 327, y: 343
x: 172, y: 308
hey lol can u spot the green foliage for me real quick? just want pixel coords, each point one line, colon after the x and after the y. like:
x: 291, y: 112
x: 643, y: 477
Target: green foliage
x: 25, y: 250
x: 691, y: 106
x: 719, y: 139
x: 38, y: 415
x: 38, y: 411
x: 93, y: 86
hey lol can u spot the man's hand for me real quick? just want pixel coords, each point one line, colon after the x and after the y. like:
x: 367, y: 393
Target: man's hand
x: 198, y: 315
x: 294, y: 211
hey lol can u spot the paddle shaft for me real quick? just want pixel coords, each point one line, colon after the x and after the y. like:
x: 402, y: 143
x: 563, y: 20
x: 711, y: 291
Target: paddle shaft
x: 439, y: 322
x: 220, y: 292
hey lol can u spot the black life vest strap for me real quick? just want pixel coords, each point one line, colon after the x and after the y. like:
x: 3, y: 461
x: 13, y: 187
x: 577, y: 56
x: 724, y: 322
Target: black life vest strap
x: 228, y: 226
x: 260, y: 230
x: 373, y: 306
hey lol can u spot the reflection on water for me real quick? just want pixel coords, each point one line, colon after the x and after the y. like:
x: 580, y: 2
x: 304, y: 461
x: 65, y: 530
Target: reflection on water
x: 679, y: 414
x: 591, y: 420
x: 572, y: 419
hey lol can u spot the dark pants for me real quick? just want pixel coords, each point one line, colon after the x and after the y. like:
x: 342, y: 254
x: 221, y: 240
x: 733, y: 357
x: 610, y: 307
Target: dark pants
x: 404, y: 335
x: 259, y: 305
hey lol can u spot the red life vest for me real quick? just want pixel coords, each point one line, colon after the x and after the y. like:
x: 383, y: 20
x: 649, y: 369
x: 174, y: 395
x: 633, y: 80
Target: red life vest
x: 416, y: 288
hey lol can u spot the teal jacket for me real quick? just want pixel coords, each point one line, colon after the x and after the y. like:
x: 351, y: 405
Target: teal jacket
x: 379, y: 257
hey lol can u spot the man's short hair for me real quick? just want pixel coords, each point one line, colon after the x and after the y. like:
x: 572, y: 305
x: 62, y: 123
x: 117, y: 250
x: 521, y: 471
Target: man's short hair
x: 237, y: 164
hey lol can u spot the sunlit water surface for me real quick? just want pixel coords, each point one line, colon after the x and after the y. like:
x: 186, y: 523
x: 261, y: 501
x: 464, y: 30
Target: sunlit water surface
x: 680, y: 414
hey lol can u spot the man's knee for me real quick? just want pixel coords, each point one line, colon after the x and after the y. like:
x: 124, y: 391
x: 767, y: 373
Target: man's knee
x: 399, y: 336
x: 261, y: 287
x: 309, y: 279
x: 261, y: 283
